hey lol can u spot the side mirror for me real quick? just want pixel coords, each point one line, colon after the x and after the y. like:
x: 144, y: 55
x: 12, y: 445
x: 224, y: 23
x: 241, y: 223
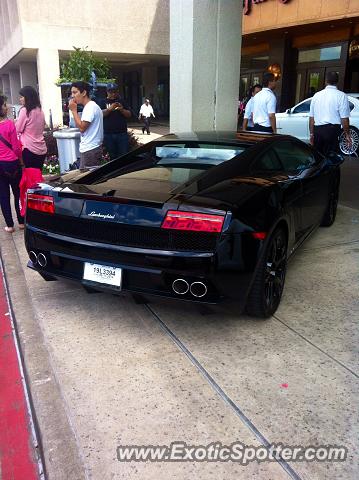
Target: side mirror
x: 335, y: 158
x: 288, y: 110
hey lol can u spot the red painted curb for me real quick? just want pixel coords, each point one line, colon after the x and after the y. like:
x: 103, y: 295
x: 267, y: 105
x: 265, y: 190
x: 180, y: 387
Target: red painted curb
x: 17, y: 452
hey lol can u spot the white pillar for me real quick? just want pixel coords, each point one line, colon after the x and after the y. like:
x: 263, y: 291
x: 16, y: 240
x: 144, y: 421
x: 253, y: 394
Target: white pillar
x: 28, y: 74
x: 205, y: 49
x: 48, y: 71
x: 14, y: 78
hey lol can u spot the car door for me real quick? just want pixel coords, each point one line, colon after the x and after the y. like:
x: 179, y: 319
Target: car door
x: 270, y: 165
x: 295, y: 121
x: 311, y: 169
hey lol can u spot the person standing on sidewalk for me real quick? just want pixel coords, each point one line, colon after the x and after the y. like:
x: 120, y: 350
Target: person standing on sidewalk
x: 329, y: 111
x: 115, y: 114
x: 145, y: 114
x: 30, y: 127
x: 265, y: 105
x: 10, y: 168
x: 90, y: 124
x: 248, y: 113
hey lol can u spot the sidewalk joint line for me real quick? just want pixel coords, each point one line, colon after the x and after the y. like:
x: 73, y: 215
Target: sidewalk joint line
x: 316, y: 346
x: 247, y: 422
x: 341, y: 244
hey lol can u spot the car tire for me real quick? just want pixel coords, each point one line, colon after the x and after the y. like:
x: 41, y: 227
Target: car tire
x: 354, y: 149
x: 331, y: 210
x: 266, y: 292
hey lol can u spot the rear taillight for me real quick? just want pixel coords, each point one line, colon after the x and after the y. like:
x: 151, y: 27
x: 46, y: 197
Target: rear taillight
x: 198, y: 222
x: 42, y: 203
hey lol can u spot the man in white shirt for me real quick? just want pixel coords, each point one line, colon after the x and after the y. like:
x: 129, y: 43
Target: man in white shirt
x: 145, y: 114
x: 265, y: 105
x: 248, y: 113
x: 90, y: 125
x: 329, y: 110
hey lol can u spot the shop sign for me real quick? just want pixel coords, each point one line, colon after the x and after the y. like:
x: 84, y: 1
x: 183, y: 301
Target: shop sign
x: 247, y: 5
x: 354, y: 49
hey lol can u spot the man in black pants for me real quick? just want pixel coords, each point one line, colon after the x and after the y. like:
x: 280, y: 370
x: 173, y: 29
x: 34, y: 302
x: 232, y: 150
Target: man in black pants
x: 265, y: 105
x: 145, y: 114
x: 329, y: 111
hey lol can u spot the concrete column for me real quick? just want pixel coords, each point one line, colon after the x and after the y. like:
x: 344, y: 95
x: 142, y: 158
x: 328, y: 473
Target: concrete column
x: 14, y: 77
x: 6, y: 87
x: 205, y: 49
x: 28, y: 74
x: 149, y: 82
x: 48, y: 71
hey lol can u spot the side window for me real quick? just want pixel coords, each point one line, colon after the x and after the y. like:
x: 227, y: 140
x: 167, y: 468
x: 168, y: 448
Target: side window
x: 268, y: 162
x: 351, y: 106
x: 303, y: 107
x: 294, y: 157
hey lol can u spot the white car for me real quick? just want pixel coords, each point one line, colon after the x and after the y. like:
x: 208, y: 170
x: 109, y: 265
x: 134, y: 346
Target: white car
x: 295, y: 121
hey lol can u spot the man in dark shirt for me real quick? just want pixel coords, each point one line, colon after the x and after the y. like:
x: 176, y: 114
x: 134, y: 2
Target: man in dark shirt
x: 115, y: 114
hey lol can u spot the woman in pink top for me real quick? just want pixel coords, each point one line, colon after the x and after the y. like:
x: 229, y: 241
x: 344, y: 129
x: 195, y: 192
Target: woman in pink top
x: 30, y: 126
x: 10, y: 168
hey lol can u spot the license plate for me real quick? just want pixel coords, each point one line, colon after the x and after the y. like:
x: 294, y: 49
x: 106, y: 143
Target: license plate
x: 103, y: 274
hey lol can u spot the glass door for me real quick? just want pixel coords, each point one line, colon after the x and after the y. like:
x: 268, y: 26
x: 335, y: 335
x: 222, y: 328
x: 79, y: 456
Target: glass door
x: 314, y: 82
x: 243, y: 86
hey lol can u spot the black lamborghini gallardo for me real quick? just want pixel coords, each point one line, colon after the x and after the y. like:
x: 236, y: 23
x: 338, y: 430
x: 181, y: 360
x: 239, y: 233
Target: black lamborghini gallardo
x: 204, y: 217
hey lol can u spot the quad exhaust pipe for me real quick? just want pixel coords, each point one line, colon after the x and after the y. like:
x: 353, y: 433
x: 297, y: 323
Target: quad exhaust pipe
x: 198, y: 289
x: 39, y: 258
x: 33, y: 257
x: 181, y: 287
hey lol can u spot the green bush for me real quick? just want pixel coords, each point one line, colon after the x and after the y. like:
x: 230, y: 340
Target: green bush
x: 81, y: 64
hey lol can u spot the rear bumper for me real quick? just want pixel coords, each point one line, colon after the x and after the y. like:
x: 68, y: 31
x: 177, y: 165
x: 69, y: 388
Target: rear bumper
x: 143, y: 271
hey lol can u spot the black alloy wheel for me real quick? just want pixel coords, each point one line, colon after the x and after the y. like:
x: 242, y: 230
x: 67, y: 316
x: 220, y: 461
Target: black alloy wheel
x: 266, y: 292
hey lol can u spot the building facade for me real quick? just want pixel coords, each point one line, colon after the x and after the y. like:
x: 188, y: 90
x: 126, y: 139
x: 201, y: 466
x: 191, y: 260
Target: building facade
x: 35, y: 37
x: 298, y: 39
x: 301, y: 40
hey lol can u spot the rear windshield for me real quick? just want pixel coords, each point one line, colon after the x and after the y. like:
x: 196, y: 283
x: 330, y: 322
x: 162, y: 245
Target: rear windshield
x: 174, y: 163
x: 172, y: 176
x: 201, y: 156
